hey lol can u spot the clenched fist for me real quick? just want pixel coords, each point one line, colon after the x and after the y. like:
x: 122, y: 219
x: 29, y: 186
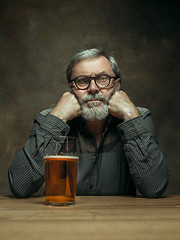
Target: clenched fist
x: 67, y: 108
x: 121, y: 106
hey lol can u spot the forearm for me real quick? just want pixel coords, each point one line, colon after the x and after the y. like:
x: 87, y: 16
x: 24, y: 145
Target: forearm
x: 147, y: 165
x: 26, y: 172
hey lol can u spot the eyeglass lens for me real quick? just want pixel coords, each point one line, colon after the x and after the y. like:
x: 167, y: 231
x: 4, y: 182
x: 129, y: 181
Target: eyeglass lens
x: 101, y: 81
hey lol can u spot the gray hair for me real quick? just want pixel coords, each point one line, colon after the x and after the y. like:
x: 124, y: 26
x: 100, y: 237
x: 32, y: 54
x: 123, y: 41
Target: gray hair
x: 92, y: 53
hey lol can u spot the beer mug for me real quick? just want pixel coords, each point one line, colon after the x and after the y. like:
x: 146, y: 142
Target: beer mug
x: 61, y: 164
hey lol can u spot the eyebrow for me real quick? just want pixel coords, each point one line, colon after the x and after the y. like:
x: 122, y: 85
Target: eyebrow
x: 103, y: 72
x: 83, y: 75
x: 99, y: 73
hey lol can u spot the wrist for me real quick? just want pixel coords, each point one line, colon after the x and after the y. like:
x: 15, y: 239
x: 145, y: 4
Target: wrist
x: 59, y: 115
x: 130, y: 115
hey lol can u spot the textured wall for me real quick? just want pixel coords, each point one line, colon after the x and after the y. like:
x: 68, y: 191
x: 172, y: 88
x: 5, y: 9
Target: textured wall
x: 38, y: 38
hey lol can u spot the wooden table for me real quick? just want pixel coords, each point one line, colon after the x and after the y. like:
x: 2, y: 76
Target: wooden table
x: 104, y: 217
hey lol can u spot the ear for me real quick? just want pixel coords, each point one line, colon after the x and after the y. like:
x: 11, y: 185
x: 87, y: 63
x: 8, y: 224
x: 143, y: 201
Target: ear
x: 70, y: 87
x: 118, y: 83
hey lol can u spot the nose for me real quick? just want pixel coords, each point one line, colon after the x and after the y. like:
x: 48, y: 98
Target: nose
x: 93, y: 88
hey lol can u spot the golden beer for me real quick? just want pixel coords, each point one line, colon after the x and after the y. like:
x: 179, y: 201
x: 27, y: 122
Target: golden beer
x: 60, y: 179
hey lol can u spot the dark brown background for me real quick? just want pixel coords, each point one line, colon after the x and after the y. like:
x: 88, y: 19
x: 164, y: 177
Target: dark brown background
x: 38, y: 38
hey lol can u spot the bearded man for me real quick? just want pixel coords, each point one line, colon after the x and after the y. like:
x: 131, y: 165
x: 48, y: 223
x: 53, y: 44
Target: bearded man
x: 119, y: 153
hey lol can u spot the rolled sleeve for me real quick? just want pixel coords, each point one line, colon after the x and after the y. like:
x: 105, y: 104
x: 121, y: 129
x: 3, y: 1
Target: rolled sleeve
x: 55, y: 125
x: 132, y: 128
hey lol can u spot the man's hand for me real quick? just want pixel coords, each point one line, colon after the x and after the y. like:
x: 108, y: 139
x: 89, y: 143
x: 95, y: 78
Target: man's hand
x: 67, y: 108
x: 121, y: 106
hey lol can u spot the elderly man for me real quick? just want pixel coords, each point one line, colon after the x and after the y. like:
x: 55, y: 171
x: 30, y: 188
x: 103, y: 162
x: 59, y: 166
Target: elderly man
x: 119, y: 152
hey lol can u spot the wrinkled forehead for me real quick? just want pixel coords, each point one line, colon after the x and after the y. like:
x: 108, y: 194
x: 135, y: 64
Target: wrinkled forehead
x: 92, y: 66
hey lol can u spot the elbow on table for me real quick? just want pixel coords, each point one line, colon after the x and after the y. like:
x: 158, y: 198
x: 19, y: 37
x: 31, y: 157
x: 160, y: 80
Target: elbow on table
x: 19, y: 192
x: 23, y: 190
x: 155, y: 192
x: 152, y: 195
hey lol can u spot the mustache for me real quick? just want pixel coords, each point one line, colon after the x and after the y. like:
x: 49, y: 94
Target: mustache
x: 96, y: 96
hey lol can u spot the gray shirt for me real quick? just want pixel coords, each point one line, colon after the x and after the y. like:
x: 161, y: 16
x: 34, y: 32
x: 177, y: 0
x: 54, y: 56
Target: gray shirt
x: 127, y: 159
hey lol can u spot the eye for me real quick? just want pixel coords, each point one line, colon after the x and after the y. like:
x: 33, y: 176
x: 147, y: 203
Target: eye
x: 102, y: 78
x: 82, y: 80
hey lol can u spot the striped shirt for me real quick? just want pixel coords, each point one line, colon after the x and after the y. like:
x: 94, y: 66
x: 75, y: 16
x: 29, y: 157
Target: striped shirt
x: 127, y: 159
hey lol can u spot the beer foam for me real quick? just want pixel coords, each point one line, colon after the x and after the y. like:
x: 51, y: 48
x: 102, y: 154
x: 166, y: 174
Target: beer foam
x: 61, y: 156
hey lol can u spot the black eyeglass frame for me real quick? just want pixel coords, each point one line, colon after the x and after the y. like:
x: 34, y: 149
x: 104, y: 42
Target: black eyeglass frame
x: 92, y: 78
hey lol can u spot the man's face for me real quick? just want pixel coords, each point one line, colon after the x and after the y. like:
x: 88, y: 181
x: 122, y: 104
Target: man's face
x: 94, y: 100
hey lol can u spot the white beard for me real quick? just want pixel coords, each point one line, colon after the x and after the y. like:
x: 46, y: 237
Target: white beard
x: 94, y: 111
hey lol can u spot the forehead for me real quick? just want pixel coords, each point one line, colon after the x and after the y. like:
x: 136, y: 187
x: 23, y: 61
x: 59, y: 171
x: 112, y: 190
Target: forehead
x: 92, y: 66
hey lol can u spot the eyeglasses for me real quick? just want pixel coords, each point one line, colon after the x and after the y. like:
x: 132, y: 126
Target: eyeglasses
x: 83, y: 82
